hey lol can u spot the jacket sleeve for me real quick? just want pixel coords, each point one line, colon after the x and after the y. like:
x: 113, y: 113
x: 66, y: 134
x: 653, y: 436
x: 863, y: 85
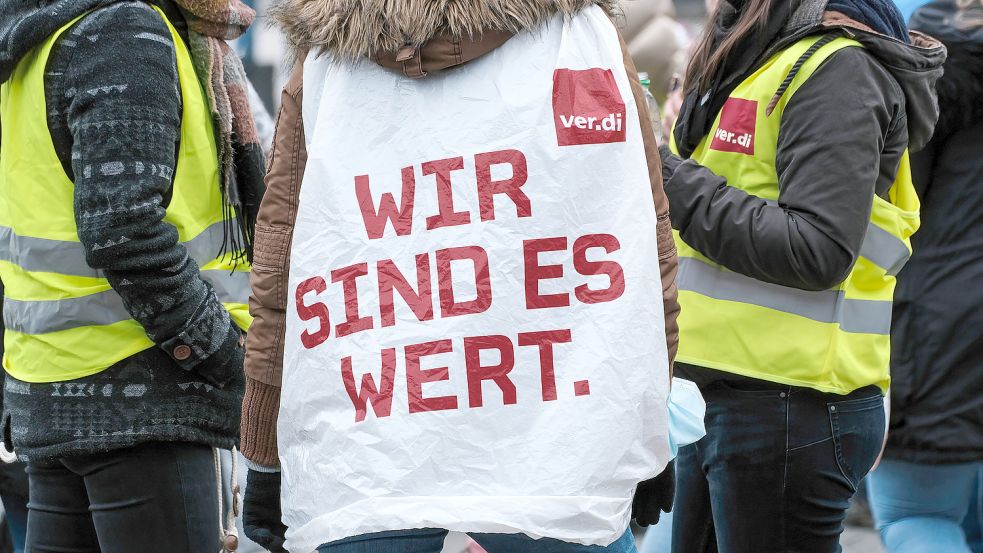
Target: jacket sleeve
x: 668, y: 263
x: 268, y: 303
x: 124, y: 126
x: 840, y: 141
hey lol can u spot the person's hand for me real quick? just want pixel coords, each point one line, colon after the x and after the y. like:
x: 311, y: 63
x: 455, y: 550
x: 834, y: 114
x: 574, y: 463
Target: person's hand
x: 655, y: 496
x: 670, y: 110
x: 261, y: 518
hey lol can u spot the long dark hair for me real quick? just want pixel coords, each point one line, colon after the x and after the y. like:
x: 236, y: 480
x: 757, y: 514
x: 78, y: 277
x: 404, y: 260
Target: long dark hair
x: 709, y: 55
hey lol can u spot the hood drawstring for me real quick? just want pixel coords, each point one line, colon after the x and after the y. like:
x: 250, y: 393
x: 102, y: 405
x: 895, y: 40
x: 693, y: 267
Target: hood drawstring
x: 228, y: 532
x: 795, y: 71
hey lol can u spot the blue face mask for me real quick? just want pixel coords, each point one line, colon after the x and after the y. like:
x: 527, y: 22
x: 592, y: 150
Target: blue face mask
x: 686, y: 412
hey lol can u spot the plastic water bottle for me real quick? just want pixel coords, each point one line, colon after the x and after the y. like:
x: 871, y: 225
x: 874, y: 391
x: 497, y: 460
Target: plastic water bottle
x: 655, y: 113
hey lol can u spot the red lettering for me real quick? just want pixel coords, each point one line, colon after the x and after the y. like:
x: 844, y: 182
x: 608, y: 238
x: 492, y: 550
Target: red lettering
x: 545, y: 340
x: 348, y: 276
x: 499, y: 373
x: 390, y: 278
x: 446, y: 217
x: 316, y: 310
x: 375, y: 220
x: 417, y: 377
x: 536, y: 272
x: 511, y: 187
x: 613, y: 270
x: 380, y: 399
x: 449, y: 307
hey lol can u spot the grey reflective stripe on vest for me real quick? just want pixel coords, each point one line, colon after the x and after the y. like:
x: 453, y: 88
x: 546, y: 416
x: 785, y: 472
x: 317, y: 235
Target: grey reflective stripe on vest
x: 44, y: 256
x: 103, y: 308
x: 68, y: 258
x: 41, y: 317
x: 880, y: 247
x: 885, y: 250
x: 827, y: 306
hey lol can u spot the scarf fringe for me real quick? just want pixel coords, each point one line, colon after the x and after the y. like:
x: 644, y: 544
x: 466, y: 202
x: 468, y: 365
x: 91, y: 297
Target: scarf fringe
x: 221, y: 73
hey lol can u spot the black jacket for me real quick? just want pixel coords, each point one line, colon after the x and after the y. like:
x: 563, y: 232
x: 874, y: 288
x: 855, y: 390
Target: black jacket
x: 113, y: 98
x: 937, y: 336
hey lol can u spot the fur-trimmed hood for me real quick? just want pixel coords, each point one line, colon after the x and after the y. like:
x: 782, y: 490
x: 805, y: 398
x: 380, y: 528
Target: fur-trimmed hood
x: 358, y: 29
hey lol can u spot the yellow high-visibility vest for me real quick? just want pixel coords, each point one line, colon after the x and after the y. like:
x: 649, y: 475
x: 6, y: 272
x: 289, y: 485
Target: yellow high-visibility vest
x: 835, y: 340
x: 63, y: 320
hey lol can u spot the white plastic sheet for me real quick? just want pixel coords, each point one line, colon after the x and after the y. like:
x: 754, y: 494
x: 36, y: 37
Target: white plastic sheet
x: 516, y: 380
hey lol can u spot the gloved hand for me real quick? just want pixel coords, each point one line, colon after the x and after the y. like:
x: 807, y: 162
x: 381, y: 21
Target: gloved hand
x: 261, y: 517
x: 654, y: 496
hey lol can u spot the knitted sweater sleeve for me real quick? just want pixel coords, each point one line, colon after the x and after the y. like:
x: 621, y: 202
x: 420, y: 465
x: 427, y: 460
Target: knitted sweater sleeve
x: 115, y: 111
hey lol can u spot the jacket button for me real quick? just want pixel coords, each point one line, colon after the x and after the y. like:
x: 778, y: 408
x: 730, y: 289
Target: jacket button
x: 182, y: 353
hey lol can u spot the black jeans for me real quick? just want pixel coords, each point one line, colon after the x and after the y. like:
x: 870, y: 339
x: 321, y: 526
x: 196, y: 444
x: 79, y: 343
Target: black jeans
x: 152, y: 498
x: 776, y: 470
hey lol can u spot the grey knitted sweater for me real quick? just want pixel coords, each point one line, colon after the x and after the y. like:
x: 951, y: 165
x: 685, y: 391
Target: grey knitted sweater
x: 114, y: 110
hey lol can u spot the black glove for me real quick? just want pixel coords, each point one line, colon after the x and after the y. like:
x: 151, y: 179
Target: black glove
x: 261, y: 517
x: 654, y: 496
x: 224, y: 367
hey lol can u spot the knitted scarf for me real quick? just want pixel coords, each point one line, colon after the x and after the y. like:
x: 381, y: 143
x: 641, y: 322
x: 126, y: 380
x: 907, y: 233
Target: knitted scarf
x: 210, y: 24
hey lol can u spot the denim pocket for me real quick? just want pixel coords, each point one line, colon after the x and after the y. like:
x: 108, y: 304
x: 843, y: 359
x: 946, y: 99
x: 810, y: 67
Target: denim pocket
x: 858, y: 427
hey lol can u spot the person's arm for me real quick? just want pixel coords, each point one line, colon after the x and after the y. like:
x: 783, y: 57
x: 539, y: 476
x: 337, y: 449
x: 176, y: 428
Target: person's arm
x: 668, y: 262
x: 124, y: 121
x: 262, y: 519
x: 836, y: 136
x: 268, y: 303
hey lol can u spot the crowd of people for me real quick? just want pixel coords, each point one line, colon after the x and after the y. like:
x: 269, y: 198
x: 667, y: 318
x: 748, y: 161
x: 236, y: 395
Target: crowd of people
x: 476, y: 279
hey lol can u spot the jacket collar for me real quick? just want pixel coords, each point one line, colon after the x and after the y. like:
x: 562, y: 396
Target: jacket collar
x: 415, y: 36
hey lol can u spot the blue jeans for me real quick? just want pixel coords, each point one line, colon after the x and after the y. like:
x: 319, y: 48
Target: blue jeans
x: 432, y: 541
x: 776, y: 470
x: 973, y: 524
x: 922, y: 508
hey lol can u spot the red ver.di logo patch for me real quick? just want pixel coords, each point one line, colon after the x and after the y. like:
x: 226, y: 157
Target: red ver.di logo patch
x: 587, y: 107
x: 736, y: 130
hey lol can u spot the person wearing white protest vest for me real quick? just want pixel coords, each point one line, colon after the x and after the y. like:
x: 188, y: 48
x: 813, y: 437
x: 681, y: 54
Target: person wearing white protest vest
x: 794, y: 208
x: 463, y: 285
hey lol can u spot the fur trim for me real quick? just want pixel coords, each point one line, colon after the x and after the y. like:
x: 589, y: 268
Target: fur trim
x: 356, y: 29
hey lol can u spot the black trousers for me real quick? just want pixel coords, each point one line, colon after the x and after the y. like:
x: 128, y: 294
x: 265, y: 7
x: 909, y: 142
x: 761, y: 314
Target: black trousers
x: 776, y: 470
x: 152, y: 498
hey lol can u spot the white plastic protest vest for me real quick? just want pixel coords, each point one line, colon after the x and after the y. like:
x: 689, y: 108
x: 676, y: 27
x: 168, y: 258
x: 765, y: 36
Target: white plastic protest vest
x: 475, y: 336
